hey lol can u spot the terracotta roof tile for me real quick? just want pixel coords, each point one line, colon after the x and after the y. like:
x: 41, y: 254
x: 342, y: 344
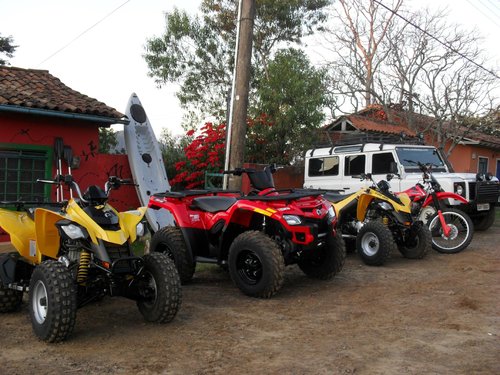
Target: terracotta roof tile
x: 368, y: 124
x: 40, y: 89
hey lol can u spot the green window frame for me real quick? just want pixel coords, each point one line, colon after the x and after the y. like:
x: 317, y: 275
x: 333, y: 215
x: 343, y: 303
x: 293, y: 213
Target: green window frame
x: 20, y: 166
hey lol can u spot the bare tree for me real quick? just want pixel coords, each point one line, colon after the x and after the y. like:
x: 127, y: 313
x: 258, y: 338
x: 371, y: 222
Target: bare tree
x: 356, y: 41
x: 418, y: 62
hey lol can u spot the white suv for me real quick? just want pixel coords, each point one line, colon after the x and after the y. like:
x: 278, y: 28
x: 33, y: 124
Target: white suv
x: 339, y: 167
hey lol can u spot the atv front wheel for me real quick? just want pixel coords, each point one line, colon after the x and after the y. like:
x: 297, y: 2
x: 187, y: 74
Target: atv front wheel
x: 170, y: 241
x: 160, y: 289
x: 256, y: 264
x: 327, y: 261
x: 375, y: 243
x: 52, y: 301
x: 417, y: 246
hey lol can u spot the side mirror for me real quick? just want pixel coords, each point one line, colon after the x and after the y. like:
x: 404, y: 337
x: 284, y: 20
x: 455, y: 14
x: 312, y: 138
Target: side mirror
x: 393, y: 167
x: 389, y: 176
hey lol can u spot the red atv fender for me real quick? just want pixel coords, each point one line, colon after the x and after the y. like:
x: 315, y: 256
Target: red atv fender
x: 441, y: 195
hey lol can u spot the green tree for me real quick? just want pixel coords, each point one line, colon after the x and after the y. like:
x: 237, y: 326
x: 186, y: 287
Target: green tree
x: 107, y: 140
x: 291, y: 95
x: 7, y: 48
x: 198, y: 52
x: 172, y: 148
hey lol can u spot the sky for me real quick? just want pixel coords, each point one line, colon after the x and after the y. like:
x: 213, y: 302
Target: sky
x: 106, y: 62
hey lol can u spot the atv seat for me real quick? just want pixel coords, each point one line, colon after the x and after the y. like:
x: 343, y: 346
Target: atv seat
x: 336, y: 197
x: 213, y: 204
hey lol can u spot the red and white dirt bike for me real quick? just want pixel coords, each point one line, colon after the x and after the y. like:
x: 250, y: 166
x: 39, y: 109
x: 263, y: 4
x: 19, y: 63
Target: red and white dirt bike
x: 451, y: 229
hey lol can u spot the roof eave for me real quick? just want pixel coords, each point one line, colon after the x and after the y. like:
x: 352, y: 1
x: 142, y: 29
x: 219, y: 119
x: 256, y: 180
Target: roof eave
x: 106, y: 121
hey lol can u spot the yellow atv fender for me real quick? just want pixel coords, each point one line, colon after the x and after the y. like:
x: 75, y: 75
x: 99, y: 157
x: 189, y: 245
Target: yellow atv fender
x: 128, y: 222
x: 371, y: 194
x: 21, y: 230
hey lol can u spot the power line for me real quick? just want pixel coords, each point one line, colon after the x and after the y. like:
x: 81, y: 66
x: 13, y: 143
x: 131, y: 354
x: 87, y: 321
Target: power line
x: 84, y: 32
x: 437, y: 40
x: 483, y: 13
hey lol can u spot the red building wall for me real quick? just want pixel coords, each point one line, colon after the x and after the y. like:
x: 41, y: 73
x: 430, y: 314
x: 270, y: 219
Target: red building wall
x: 83, y: 137
x: 465, y: 158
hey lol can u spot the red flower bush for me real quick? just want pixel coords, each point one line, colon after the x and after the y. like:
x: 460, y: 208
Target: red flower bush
x: 204, y: 154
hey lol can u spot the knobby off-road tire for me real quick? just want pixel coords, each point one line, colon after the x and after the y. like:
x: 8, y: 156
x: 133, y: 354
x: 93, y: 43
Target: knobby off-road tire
x: 170, y: 241
x: 375, y: 243
x: 163, y: 287
x: 461, y: 233
x: 52, y: 301
x: 329, y: 260
x: 417, y: 246
x: 10, y: 300
x: 256, y: 264
x: 485, y: 222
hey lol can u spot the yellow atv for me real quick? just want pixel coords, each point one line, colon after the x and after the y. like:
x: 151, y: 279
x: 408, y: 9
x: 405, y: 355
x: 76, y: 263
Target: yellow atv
x: 378, y: 221
x: 73, y: 252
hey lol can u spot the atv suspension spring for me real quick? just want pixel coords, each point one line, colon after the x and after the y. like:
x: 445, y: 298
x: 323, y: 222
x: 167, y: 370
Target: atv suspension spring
x: 83, y: 268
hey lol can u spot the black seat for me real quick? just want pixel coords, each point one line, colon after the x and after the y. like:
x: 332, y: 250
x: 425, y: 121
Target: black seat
x: 213, y: 204
x: 336, y: 197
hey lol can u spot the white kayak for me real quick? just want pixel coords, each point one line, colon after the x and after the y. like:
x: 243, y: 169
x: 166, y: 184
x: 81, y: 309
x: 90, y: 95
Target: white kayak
x: 146, y: 161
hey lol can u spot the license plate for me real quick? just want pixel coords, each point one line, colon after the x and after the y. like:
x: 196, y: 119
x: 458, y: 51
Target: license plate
x: 483, y: 206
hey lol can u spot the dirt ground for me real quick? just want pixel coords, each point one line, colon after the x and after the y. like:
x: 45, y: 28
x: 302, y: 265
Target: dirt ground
x: 439, y: 315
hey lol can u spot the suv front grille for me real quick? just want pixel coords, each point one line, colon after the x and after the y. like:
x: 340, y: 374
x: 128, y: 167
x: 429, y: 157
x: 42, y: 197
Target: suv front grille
x: 484, y: 191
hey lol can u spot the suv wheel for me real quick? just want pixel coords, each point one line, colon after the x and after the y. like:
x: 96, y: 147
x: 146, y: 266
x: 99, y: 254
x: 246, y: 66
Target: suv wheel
x: 486, y: 221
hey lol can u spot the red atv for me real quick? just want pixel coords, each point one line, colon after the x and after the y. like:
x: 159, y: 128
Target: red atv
x: 255, y: 236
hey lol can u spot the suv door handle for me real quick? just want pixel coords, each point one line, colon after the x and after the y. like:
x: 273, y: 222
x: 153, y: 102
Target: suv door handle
x: 346, y: 188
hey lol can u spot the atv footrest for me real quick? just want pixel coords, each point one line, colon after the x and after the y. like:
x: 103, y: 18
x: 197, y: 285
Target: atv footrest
x: 206, y: 260
x: 19, y: 287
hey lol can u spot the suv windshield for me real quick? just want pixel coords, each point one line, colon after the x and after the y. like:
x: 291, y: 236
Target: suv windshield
x: 408, y: 156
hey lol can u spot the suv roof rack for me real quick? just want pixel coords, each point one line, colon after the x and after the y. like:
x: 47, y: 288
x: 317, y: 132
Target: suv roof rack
x: 363, y: 138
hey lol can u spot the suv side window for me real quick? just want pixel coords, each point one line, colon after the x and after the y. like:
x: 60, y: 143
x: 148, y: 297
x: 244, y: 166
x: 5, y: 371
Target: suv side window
x: 354, y: 165
x: 324, y: 166
x: 381, y: 163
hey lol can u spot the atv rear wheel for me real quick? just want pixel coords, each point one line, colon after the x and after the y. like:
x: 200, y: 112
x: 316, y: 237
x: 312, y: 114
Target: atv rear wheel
x: 418, y: 245
x: 52, y: 301
x: 256, y: 264
x: 170, y: 241
x: 375, y: 243
x: 161, y: 289
x: 10, y: 299
x: 327, y: 261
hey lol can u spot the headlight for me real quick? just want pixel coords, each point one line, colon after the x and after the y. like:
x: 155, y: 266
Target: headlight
x: 73, y: 231
x: 140, y: 229
x: 292, y: 219
x: 385, y: 206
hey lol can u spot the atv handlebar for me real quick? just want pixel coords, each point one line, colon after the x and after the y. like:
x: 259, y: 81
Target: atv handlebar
x: 112, y: 183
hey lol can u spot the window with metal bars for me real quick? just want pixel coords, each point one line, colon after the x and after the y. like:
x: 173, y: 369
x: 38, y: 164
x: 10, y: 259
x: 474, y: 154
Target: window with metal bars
x: 19, y: 170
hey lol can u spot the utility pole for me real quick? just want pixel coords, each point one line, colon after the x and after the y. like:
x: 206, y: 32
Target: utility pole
x: 239, y: 100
